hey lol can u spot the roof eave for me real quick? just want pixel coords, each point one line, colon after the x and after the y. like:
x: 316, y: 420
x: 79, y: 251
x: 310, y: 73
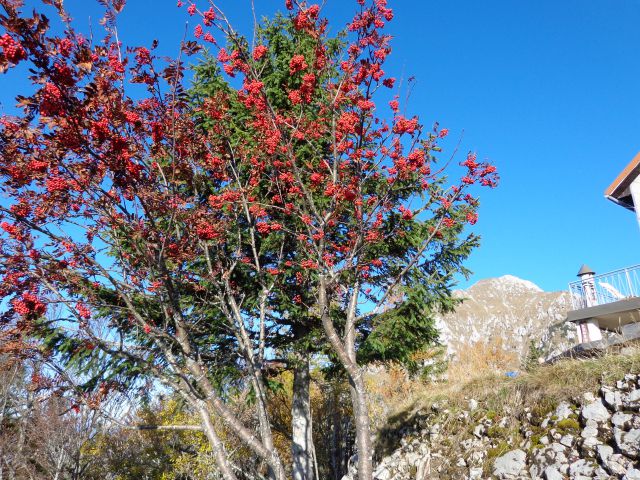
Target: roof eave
x: 617, y: 201
x: 624, y: 179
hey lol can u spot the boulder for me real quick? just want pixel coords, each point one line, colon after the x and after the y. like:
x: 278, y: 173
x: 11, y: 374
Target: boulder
x: 552, y: 473
x: 621, y: 420
x: 604, y: 453
x: 632, y: 474
x: 628, y: 442
x: 509, y: 465
x: 612, y: 398
x: 595, y: 411
x: 631, y: 400
x: 589, y: 432
x: 567, y: 440
x: 614, y: 463
x: 581, y: 468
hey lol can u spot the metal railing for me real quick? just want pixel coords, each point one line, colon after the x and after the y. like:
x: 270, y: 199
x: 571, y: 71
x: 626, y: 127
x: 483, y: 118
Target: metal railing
x: 605, y: 288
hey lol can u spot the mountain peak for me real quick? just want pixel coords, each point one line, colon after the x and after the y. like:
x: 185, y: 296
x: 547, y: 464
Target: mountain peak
x: 508, y: 283
x: 510, y: 308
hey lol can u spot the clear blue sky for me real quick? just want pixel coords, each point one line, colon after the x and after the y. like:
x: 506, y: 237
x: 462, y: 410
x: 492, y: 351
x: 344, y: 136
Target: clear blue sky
x: 549, y: 91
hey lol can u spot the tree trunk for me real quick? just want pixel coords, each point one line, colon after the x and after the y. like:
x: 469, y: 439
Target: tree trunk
x: 302, y: 438
x: 217, y: 405
x: 255, y: 370
x: 216, y: 444
x: 363, y: 426
x: 345, y: 351
x: 335, y: 450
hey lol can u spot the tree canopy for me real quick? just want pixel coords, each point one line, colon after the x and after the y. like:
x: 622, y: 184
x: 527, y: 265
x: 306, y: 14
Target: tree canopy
x: 281, y: 203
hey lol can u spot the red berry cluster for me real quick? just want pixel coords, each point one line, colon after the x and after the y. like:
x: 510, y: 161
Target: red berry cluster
x: 50, y: 102
x: 12, y: 50
x: 56, y: 184
x: 207, y: 232
x: 28, y: 304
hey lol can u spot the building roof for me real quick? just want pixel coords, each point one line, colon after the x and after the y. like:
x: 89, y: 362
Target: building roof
x: 610, y: 316
x: 585, y: 270
x: 618, y: 191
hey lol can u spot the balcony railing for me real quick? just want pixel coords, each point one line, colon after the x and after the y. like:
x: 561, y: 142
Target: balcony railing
x: 605, y: 288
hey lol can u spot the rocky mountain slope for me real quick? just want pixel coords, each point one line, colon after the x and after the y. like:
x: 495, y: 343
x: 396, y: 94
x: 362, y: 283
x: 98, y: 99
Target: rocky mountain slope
x: 513, y: 309
x: 576, y: 420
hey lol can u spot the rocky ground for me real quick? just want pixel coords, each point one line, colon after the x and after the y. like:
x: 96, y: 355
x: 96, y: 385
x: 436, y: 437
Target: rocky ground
x: 594, y: 434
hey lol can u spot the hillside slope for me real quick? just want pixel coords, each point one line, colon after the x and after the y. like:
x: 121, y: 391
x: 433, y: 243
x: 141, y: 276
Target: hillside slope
x: 576, y: 419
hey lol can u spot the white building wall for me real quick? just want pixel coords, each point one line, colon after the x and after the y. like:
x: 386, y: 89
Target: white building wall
x: 635, y: 194
x: 588, y: 331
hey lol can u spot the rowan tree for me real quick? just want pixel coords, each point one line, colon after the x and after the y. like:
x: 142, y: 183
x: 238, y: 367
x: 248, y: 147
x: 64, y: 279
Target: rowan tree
x: 185, y: 235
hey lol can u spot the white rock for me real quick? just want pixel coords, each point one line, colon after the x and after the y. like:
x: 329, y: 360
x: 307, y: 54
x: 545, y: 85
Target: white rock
x: 591, y: 423
x: 591, y: 442
x: 422, y: 468
x: 612, y: 398
x: 604, y: 452
x: 632, y: 399
x: 412, y: 458
x: 560, y: 459
x: 534, y: 471
x: 552, y: 473
x: 475, y: 473
x: 510, y: 464
x: 567, y: 440
x: 588, y: 432
x: 595, y: 411
x: 601, y: 474
x: 628, y: 442
x: 620, y: 419
x: 617, y: 464
x: 632, y: 474
x: 581, y: 468
x: 563, y: 411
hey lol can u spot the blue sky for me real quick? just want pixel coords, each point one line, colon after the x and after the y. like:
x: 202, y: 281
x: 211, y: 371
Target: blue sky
x: 549, y: 91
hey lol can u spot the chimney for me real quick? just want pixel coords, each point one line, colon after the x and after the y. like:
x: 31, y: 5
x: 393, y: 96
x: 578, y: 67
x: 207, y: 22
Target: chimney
x: 587, y: 275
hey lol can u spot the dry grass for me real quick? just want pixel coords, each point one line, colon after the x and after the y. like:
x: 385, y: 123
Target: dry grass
x: 538, y: 391
x: 391, y: 389
x: 548, y: 383
x: 482, y: 358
